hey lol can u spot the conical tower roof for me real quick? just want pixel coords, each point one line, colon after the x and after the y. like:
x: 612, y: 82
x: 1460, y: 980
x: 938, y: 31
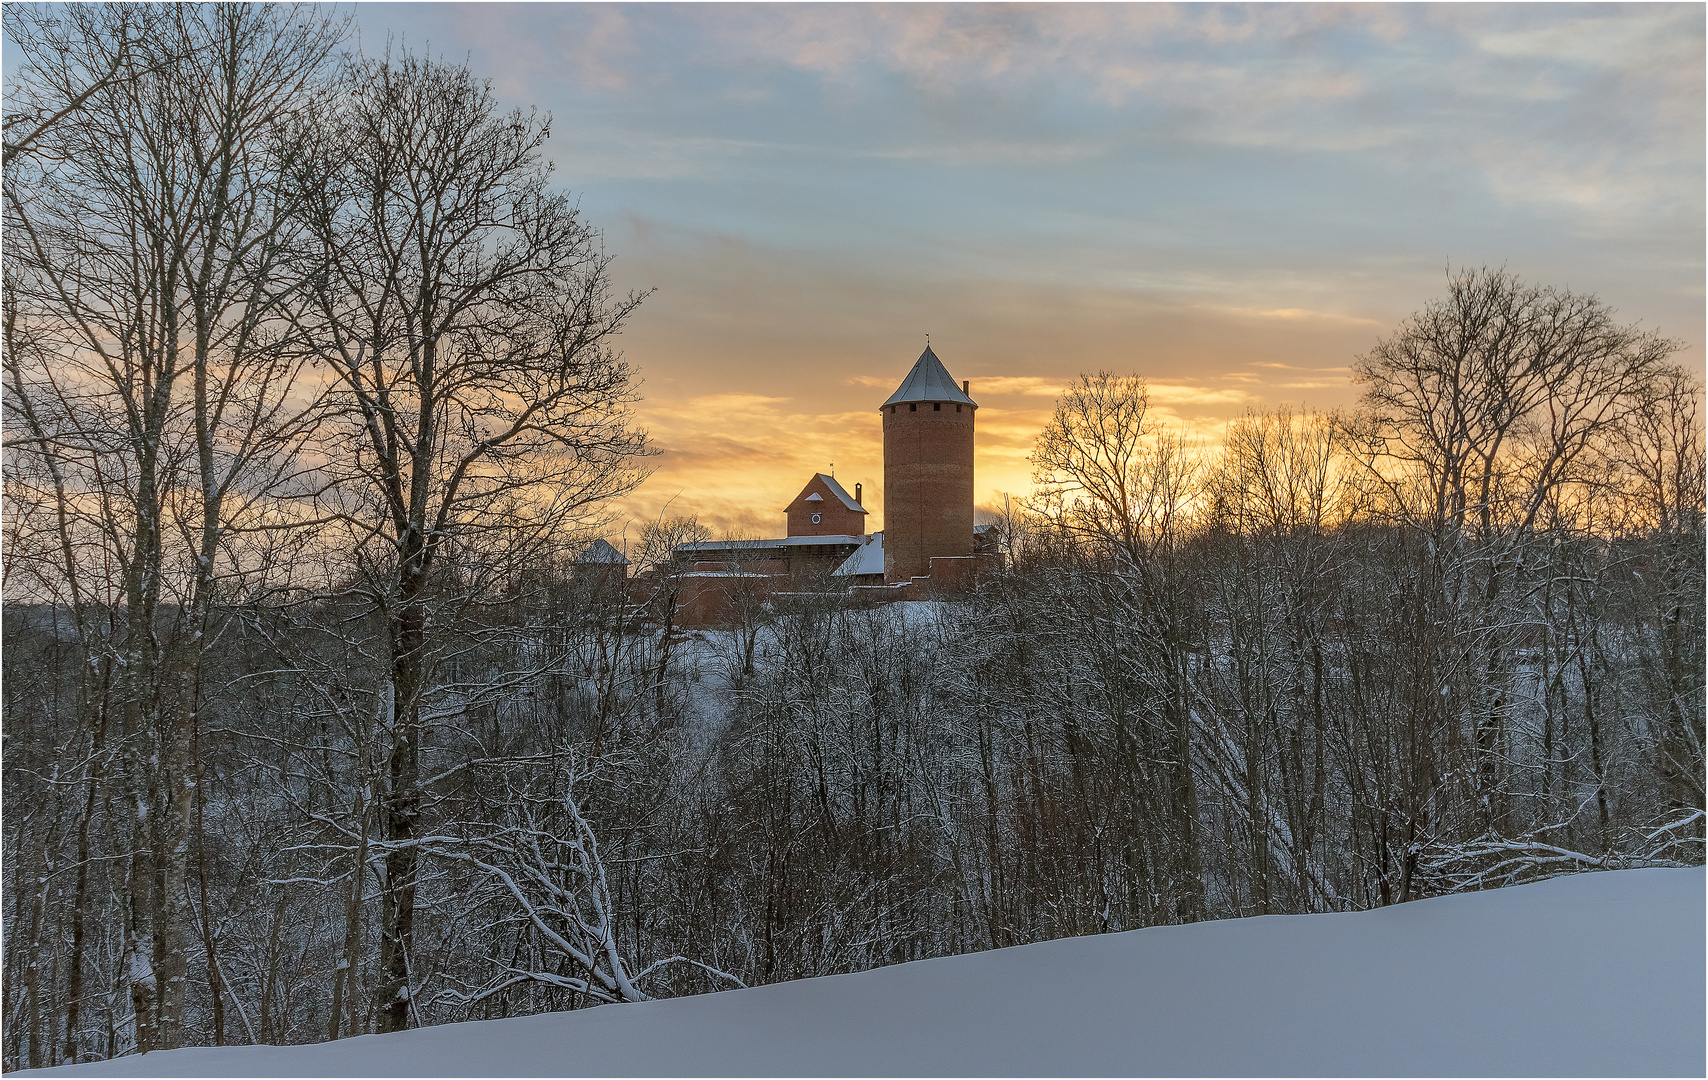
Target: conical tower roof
x: 929, y: 381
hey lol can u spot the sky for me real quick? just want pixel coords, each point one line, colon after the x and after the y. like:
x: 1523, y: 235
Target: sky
x: 1233, y: 202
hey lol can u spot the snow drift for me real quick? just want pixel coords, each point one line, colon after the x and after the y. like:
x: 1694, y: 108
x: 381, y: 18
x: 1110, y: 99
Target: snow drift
x: 1598, y: 974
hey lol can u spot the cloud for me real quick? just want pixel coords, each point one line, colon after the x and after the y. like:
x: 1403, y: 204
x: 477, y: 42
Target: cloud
x: 1274, y: 366
x: 735, y: 459
x: 1306, y: 313
x: 963, y: 152
x: 1024, y: 385
x: 1175, y: 395
x: 1507, y: 94
x: 1632, y: 37
x: 764, y: 365
x: 1403, y: 85
x: 1230, y: 201
x: 616, y: 153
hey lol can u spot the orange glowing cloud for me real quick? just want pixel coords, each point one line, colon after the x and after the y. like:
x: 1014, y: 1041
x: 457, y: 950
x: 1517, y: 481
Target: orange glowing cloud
x: 763, y: 367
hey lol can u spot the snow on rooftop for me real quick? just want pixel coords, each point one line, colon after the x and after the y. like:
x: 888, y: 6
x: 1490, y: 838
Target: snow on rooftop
x: 929, y: 381
x: 599, y: 551
x: 867, y: 559
x: 1593, y: 974
x: 782, y: 541
x: 836, y: 489
x: 841, y: 493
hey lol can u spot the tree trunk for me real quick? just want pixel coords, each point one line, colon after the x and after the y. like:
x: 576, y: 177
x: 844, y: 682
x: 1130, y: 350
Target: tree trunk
x: 345, y: 978
x: 403, y: 799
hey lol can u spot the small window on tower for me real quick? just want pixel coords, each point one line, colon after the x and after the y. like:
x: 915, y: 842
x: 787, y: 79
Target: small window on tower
x: 957, y: 408
x: 936, y: 406
x: 913, y: 408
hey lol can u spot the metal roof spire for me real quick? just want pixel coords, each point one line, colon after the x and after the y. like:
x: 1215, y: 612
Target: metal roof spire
x: 929, y: 381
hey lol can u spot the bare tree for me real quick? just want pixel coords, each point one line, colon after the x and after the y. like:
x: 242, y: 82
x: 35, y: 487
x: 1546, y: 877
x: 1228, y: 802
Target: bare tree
x: 81, y: 72
x: 544, y: 859
x: 149, y: 224
x: 1280, y: 498
x: 1490, y: 397
x: 662, y: 563
x: 1127, y: 494
x: 1089, y: 458
x: 1479, y: 411
x: 1659, y: 453
x: 466, y: 314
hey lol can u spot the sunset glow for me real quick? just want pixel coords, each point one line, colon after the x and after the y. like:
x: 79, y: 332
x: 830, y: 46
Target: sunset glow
x: 1232, y: 202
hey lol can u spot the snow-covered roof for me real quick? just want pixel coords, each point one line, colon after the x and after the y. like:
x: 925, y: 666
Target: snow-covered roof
x: 601, y: 552
x: 841, y: 493
x: 869, y: 559
x: 929, y: 381
x: 786, y: 541
x: 829, y: 483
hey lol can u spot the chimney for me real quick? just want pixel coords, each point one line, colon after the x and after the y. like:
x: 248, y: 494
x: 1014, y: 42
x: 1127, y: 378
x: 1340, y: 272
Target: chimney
x: 967, y: 387
x: 857, y: 494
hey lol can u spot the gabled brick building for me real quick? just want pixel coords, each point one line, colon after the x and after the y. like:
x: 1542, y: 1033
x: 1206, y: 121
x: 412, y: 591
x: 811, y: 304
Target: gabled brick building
x: 824, y: 508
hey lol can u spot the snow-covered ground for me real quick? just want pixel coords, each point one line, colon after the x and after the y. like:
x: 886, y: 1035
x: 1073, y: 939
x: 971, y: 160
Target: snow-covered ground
x: 1593, y: 975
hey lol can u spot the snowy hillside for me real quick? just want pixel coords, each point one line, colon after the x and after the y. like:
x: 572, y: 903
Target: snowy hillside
x: 1598, y: 974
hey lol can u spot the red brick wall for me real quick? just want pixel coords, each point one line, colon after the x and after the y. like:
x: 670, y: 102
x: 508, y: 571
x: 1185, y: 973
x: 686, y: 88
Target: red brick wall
x: 834, y: 518
x: 928, y: 486
x: 709, y: 600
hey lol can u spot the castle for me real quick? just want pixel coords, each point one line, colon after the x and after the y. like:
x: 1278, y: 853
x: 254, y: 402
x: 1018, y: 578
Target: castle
x: 929, y: 544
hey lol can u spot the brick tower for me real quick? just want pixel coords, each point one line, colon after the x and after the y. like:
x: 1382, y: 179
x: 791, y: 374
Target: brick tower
x: 928, y: 470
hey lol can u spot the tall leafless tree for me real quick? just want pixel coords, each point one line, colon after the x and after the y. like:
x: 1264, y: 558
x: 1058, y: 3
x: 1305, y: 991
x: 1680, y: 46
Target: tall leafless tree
x: 1480, y: 410
x: 149, y: 221
x: 466, y: 315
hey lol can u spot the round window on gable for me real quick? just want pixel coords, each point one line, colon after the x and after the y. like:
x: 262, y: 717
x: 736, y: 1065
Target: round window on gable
x: 816, y: 518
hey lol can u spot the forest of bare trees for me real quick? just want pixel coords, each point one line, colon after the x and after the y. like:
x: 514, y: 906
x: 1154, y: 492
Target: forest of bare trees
x: 313, y: 727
